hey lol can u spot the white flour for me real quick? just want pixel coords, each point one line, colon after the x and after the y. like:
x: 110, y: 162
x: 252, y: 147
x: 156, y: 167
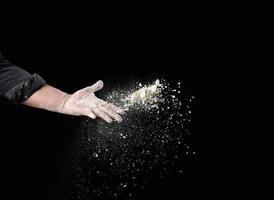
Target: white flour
x: 146, y: 97
x: 146, y: 93
x: 152, y: 141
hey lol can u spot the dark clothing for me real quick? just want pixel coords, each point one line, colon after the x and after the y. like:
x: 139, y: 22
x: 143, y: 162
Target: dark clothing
x: 15, y: 83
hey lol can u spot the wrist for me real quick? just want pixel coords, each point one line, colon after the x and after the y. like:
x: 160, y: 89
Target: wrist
x: 62, y: 106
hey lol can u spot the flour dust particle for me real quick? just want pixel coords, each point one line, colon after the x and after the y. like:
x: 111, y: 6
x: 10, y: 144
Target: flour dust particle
x: 116, y: 160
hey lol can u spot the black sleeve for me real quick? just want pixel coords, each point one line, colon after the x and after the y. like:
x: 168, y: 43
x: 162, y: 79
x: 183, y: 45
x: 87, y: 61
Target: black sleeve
x: 15, y: 83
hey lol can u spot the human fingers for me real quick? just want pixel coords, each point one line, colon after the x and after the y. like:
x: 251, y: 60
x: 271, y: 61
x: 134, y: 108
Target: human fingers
x: 100, y: 113
x: 91, y: 115
x: 113, y: 114
x: 115, y: 108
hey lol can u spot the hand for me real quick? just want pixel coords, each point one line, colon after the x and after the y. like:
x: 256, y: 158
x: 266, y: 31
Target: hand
x: 84, y: 102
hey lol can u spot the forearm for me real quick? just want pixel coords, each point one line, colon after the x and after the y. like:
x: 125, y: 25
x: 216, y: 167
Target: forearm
x: 48, y: 98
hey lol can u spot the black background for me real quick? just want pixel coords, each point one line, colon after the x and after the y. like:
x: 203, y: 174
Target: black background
x: 209, y: 47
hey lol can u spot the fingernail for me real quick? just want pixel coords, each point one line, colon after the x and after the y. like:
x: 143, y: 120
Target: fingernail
x: 119, y: 120
x: 121, y: 111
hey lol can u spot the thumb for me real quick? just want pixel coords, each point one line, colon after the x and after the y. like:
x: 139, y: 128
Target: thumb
x: 96, y: 86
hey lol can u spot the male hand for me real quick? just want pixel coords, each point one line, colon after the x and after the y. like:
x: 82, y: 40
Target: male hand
x: 84, y: 102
